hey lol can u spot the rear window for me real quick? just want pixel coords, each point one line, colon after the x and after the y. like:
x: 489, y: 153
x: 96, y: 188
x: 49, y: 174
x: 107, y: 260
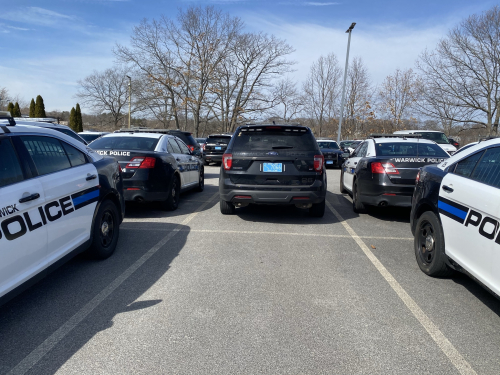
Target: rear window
x: 90, y: 137
x: 125, y: 143
x: 409, y: 149
x: 71, y: 134
x: 435, y: 136
x: 274, y: 140
x: 224, y: 140
x: 328, y: 144
x: 189, y: 139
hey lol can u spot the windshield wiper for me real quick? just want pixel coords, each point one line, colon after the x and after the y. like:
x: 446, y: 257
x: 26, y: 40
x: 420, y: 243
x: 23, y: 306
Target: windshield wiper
x: 281, y: 147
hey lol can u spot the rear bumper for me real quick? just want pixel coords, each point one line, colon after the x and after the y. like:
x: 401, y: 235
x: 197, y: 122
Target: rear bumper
x: 214, y: 158
x: 134, y: 190
x: 398, y: 200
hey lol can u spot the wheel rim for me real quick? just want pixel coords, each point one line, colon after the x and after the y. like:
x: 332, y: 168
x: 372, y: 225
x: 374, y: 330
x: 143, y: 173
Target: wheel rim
x: 426, y: 242
x: 107, y: 229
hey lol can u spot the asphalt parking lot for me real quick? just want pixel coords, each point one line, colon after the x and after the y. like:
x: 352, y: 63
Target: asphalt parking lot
x: 268, y: 290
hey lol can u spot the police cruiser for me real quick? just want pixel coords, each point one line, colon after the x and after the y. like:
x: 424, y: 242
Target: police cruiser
x: 57, y: 198
x: 155, y: 165
x: 381, y: 171
x: 455, y: 215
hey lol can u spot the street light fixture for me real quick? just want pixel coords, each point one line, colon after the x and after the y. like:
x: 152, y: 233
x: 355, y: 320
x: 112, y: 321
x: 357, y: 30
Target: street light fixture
x: 349, y: 31
x: 129, y: 98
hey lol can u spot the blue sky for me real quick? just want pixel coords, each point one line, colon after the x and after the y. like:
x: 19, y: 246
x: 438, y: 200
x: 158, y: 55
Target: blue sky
x: 48, y: 45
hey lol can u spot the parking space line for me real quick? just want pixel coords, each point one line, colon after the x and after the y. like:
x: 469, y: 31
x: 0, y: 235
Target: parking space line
x: 439, y: 338
x: 38, y: 353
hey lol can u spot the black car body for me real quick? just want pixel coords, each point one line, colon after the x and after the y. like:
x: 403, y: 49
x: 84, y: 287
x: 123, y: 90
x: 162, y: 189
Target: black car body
x: 270, y: 164
x: 189, y: 140
x: 154, y: 166
x: 215, y: 147
x: 332, y: 153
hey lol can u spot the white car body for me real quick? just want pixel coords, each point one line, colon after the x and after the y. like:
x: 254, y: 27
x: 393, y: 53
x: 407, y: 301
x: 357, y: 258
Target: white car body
x: 449, y: 148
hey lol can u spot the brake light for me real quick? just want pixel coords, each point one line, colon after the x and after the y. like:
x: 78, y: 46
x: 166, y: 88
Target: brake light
x: 273, y: 127
x: 142, y: 162
x: 417, y: 179
x: 191, y: 148
x: 203, y: 146
x: 381, y: 168
x: 319, y: 160
x: 227, y: 161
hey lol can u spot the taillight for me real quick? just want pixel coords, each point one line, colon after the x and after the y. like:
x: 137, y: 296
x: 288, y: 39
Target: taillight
x: 191, y: 148
x: 319, y: 160
x: 382, y: 168
x: 417, y: 179
x: 227, y: 161
x: 203, y: 146
x: 142, y: 162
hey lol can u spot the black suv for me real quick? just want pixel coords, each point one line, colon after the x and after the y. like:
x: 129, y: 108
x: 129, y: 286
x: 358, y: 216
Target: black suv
x: 271, y: 164
x: 189, y: 140
x: 215, y: 147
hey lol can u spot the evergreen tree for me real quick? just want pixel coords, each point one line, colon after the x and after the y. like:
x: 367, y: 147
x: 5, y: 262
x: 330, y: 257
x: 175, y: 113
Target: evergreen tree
x: 32, y: 108
x: 78, y: 118
x: 72, y: 119
x: 17, y: 110
x: 10, y: 108
x: 39, y: 107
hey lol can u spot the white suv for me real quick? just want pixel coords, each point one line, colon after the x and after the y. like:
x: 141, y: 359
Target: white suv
x: 439, y: 137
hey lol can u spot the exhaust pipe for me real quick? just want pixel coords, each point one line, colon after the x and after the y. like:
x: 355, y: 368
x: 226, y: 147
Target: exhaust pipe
x: 383, y: 204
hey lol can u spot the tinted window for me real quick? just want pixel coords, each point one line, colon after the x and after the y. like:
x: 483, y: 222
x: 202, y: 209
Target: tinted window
x: 71, y: 134
x: 201, y: 140
x: 173, y: 147
x: 410, y: 149
x: 273, y: 140
x: 487, y: 170
x: 10, y: 169
x: 47, y: 154
x: 125, y: 143
x: 465, y: 167
x: 90, y: 137
x: 76, y: 157
x: 360, y: 150
x: 224, y: 140
x: 183, y: 147
x: 189, y: 139
x: 435, y: 136
x: 332, y: 145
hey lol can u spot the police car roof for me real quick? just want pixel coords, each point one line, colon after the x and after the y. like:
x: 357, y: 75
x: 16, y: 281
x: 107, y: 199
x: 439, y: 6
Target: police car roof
x: 325, y: 139
x: 471, y: 150
x: 402, y: 139
x: 133, y: 134
x: 92, y: 132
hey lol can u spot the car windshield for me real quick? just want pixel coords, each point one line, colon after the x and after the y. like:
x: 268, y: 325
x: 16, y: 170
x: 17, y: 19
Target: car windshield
x: 437, y: 137
x: 409, y: 149
x: 125, y: 143
x: 274, y: 140
x: 89, y: 137
x: 224, y: 140
x: 352, y: 144
x: 328, y: 144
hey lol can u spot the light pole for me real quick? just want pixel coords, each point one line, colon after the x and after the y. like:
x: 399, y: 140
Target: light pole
x: 129, y: 98
x: 349, y: 31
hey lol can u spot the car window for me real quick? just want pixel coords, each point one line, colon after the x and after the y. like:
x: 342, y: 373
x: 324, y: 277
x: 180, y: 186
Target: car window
x: 173, y: 147
x: 125, y: 143
x: 76, y: 157
x: 224, y: 140
x: 47, y: 153
x: 360, y: 151
x: 272, y: 140
x: 487, y: 170
x: 465, y: 167
x: 71, y: 134
x: 435, y: 136
x: 90, y: 137
x: 409, y: 149
x: 183, y: 147
x: 327, y: 144
x: 10, y: 168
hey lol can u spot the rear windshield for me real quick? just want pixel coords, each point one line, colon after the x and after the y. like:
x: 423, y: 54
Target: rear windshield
x: 409, y: 149
x: 224, y: 140
x: 90, y: 137
x: 200, y: 140
x: 190, y: 140
x: 274, y: 140
x: 328, y: 144
x: 71, y: 134
x: 435, y: 136
x: 125, y: 143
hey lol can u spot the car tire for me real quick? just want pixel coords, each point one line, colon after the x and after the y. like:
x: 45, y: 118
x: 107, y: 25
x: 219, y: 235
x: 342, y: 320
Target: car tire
x: 429, y: 246
x: 105, y: 231
x: 357, y: 206
x: 174, y: 192
x: 201, y: 180
x: 318, y: 209
x: 226, y: 208
x: 342, y: 188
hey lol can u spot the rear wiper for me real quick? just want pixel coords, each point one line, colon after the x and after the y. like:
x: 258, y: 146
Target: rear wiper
x: 281, y: 147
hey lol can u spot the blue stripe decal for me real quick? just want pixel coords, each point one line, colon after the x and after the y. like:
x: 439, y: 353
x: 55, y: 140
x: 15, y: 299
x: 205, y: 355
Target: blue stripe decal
x: 86, y: 197
x: 452, y: 210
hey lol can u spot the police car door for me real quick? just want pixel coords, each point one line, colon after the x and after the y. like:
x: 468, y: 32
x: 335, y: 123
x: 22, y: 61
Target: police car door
x: 174, y: 149
x: 191, y: 161
x: 23, y: 233
x: 352, y: 162
x: 71, y: 189
x: 470, y: 212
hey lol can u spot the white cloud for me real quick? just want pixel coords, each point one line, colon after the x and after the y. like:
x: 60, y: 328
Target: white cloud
x: 36, y: 16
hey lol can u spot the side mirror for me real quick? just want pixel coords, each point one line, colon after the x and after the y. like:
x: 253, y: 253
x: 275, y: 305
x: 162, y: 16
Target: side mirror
x: 345, y: 155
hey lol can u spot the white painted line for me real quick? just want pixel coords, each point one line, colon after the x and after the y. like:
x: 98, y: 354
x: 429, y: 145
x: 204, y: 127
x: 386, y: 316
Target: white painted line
x: 439, y: 338
x: 38, y: 353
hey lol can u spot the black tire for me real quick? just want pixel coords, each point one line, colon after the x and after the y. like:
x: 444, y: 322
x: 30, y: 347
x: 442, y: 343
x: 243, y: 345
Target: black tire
x: 226, y: 208
x: 342, y: 188
x: 105, y: 231
x: 357, y: 206
x: 318, y: 209
x: 201, y: 180
x: 174, y: 192
x: 429, y: 246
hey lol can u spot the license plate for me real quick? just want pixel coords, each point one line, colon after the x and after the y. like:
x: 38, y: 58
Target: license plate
x: 329, y: 162
x: 273, y: 167
x: 218, y: 148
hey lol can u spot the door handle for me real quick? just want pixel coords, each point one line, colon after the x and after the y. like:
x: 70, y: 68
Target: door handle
x: 31, y: 197
x: 448, y: 189
x: 91, y: 177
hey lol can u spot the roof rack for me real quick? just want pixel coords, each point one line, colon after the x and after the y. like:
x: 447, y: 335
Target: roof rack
x: 404, y: 136
x: 143, y: 130
x: 5, y: 115
x: 37, y: 119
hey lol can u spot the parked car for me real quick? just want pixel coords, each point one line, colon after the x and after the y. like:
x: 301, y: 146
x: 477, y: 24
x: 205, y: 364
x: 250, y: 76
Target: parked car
x: 433, y: 135
x: 215, y: 147
x: 332, y: 153
x: 91, y: 136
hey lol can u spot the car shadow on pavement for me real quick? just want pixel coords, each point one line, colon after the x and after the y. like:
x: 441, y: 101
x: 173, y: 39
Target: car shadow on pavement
x: 479, y: 291
x: 33, y: 316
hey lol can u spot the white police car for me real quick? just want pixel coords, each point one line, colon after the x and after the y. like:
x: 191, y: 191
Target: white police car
x: 455, y: 215
x: 57, y: 198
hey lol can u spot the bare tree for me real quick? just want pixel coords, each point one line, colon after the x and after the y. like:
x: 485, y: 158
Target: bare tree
x: 289, y: 103
x: 462, y: 75
x: 4, y: 98
x: 397, y: 97
x: 106, y: 92
x: 322, y: 89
